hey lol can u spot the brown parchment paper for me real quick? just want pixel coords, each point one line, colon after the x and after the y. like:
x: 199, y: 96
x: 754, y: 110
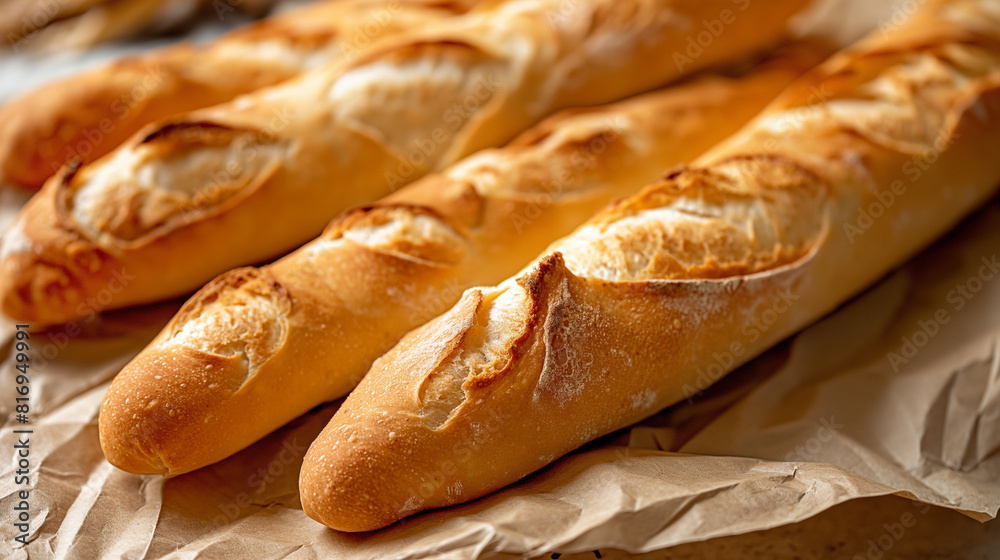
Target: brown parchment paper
x: 800, y: 441
x: 826, y: 417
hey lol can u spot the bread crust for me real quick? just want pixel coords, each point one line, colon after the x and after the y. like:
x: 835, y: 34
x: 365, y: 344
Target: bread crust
x: 621, y: 318
x: 84, y: 117
x: 379, y: 271
x: 196, y: 189
x: 19, y: 19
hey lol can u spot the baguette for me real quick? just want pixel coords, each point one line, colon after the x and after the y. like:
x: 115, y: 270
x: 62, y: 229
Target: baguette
x: 324, y: 308
x: 121, y: 19
x: 624, y: 316
x: 188, y: 198
x: 75, y: 24
x: 19, y: 19
x: 84, y: 117
x: 102, y: 22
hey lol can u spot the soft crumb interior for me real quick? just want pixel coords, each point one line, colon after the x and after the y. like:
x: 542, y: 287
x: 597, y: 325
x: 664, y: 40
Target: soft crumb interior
x: 691, y: 238
x: 456, y: 82
x: 251, y: 328
x: 419, y: 235
x: 487, y: 348
x: 141, y: 188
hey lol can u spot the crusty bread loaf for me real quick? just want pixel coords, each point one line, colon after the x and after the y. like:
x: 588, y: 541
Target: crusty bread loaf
x: 76, y: 24
x: 20, y: 19
x: 86, y: 116
x: 189, y: 198
x: 617, y: 320
x: 101, y: 21
x: 339, y: 302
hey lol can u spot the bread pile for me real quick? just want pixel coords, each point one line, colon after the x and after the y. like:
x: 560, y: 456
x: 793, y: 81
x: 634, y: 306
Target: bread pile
x: 501, y: 281
x: 198, y: 187
x: 83, y: 117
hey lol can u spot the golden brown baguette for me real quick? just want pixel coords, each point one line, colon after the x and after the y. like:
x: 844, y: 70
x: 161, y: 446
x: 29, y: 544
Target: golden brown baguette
x: 339, y: 302
x: 244, y: 182
x: 615, y: 321
x: 20, y: 19
x: 86, y: 116
x: 101, y: 21
x: 76, y: 24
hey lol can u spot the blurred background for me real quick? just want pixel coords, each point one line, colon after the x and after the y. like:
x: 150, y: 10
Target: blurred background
x: 45, y: 40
